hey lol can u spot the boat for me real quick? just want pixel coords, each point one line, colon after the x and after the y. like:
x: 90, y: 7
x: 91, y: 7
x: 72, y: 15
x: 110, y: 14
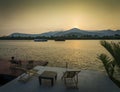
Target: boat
x: 40, y: 40
x: 59, y: 39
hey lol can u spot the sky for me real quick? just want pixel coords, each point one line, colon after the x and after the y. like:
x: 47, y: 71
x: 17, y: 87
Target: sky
x: 39, y: 16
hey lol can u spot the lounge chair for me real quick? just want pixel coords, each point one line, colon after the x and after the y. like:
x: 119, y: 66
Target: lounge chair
x: 13, y: 67
x: 70, y: 77
x: 27, y: 74
x: 30, y: 64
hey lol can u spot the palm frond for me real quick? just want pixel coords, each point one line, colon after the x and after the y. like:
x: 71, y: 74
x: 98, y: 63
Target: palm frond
x: 108, y: 47
x: 108, y: 64
x: 114, y: 49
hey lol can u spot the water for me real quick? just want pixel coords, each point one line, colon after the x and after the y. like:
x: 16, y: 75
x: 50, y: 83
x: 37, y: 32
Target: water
x: 77, y: 53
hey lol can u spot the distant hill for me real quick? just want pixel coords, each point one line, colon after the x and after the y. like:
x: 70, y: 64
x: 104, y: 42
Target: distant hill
x: 74, y: 31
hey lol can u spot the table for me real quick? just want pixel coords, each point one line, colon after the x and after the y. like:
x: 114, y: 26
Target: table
x: 49, y: 75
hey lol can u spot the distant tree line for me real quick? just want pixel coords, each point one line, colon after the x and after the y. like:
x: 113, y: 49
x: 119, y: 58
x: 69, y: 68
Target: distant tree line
x: 67, y: 37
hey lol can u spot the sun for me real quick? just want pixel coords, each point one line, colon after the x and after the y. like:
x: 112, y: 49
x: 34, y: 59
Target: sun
x: 76, y: 26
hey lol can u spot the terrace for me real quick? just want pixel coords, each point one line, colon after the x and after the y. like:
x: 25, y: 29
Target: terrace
x: 88, y: 81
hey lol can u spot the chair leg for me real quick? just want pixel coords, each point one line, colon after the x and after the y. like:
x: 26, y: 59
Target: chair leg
x: 76, y: 81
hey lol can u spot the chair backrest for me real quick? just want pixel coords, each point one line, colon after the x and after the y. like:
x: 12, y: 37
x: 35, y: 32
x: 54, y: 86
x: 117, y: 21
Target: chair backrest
x: 70, y: 74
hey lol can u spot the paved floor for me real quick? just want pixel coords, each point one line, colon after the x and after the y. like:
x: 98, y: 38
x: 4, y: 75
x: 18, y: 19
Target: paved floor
x: 89, y: 81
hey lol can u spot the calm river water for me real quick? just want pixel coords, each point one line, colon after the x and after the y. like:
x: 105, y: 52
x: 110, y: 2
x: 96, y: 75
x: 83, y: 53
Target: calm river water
x: 78, y: 53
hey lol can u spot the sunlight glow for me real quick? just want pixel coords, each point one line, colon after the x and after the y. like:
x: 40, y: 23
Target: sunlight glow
x: 53, y: 15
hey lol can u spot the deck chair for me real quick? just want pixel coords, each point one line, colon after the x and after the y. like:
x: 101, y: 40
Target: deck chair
x: 30, y: 64
x: 28, y: 74
x: 70, y: 78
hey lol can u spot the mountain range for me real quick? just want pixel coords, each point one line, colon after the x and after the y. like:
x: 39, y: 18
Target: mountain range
x: 74, y: 31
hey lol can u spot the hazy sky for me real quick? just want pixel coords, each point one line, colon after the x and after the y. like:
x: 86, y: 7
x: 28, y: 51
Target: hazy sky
x: 38, y: 16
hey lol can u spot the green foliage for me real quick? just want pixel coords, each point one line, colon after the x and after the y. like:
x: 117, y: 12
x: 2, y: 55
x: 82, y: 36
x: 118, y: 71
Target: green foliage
x: 67, y: 37
x: 109, y: 64
x: 114, y: 49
